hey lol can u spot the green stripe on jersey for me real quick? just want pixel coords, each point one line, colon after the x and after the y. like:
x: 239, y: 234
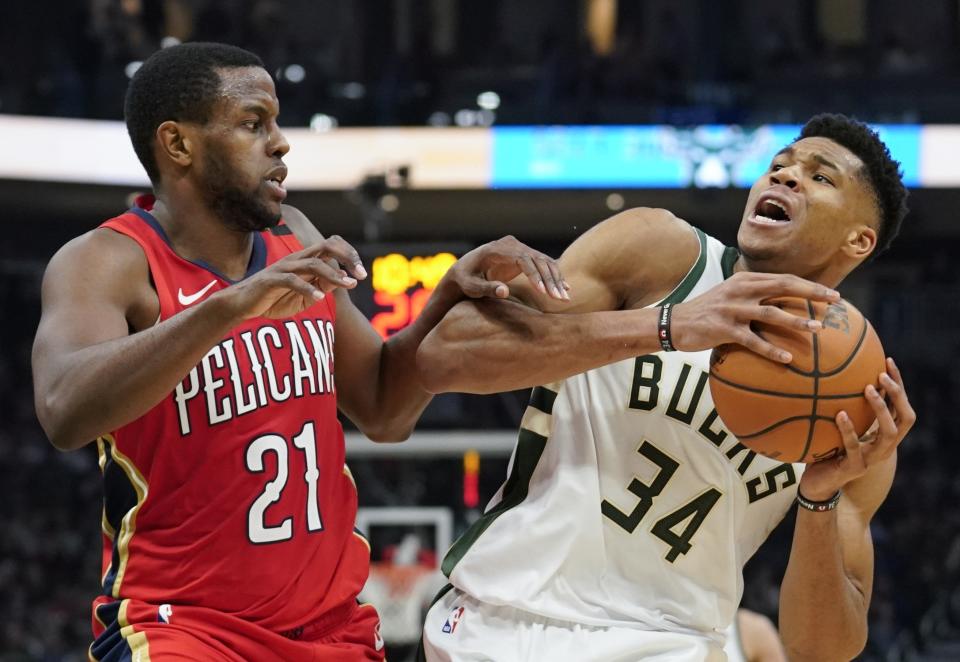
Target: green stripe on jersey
x: 530, y: 447
x: 543, y: 399
x: 686, y: 286
x: 730, y: 255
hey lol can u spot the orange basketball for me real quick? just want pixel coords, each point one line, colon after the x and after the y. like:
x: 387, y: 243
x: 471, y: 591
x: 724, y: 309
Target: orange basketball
x: 787, y: 411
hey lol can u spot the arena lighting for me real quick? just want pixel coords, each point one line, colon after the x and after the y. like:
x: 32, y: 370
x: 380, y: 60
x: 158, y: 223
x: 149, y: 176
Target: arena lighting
x: 295, y: 73
x: 132, y: 68
x: 466, y: 117
x: 615, y: 202
x: 353, y: 90
x: 485, y: 117
x: 439, y: 118
x: 606, y: 158
x: 488, y: 100
x: 321, y: 123
x: 389, y: 203
x: 667, y: 157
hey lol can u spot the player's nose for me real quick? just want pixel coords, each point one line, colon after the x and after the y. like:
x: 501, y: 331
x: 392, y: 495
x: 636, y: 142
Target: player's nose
x: 788, y: 176
x: 278, y: 145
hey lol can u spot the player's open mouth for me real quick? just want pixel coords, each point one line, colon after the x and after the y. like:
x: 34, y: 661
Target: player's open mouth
x: 275, y: 182
x: 771, y: 211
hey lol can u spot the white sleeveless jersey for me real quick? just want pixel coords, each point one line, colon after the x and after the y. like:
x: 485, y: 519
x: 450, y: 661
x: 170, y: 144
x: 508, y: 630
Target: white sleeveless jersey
x: 627, y: 501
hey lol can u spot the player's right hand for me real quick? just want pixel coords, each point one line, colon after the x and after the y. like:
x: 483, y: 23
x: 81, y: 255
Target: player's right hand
x: 724, y: 313
x: 296, y: 282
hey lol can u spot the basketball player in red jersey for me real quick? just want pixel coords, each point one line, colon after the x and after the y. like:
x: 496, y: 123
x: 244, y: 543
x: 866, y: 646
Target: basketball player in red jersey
x: 206, y: 340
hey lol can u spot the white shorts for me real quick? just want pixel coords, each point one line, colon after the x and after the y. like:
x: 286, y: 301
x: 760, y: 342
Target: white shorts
x: 460, y: 629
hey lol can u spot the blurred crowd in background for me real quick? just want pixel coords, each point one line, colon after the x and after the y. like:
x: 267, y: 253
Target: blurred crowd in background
x: 422, y: 62
x: 418, y: 62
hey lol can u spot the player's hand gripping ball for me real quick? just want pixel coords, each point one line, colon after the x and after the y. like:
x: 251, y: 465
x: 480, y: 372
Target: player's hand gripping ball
x: 787, y: 411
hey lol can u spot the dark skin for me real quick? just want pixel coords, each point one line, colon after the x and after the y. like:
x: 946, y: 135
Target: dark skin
x: 99, y: 336
x: 616, y: 270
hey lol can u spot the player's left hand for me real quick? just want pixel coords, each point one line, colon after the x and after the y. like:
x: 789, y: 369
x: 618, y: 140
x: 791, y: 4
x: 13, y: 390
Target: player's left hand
x: 895, y: 417
x: 486, y: 270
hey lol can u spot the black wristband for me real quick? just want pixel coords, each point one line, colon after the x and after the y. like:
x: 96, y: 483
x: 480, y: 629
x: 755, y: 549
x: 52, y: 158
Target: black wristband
x: 819, y: 506
x: 663, y: 328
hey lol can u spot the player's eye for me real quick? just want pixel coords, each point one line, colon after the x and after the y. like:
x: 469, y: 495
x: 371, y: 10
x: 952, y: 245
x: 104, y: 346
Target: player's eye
x: 822, y: 179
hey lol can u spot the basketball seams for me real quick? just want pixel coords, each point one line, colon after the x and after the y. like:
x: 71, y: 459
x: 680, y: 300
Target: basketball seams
x: 781, y: 394
x: 753, y: 388
x: 853, y: 352
x: 850, y: 357
x: 812, y: 420
x: 780, y: 423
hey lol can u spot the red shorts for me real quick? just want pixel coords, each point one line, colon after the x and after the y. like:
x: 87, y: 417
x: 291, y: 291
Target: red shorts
x: 138, y: 631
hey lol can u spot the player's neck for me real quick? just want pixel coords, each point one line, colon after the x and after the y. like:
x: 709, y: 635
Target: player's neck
x: 196, y: 233
x: 829, y: 275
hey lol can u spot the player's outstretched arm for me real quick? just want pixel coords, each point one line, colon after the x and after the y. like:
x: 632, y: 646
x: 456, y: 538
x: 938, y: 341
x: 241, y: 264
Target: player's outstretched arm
x: 629, y: 261
x: 99, y: 359
x: 377, y: 383
x: 828, y: 584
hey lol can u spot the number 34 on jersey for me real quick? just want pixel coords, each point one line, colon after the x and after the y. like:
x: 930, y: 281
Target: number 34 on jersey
x: 678, y: 528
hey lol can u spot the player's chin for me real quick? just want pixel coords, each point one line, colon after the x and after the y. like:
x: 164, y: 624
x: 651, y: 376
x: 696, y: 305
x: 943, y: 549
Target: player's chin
x: 271, y: 210
x: 756, y: 250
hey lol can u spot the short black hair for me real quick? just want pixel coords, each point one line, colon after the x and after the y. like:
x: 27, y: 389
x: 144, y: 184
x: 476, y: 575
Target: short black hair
x: 883, y: 173
x: 178, y: 83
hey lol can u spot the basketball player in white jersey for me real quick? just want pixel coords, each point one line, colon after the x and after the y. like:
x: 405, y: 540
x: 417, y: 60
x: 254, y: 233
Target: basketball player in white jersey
x: 629, y: 510
x: 752, y: 637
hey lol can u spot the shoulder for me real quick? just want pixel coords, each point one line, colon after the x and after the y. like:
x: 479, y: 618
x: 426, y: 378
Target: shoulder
x: 644, y: 231
x: 99, y: 250
x: 641, y: 220
x: 102, y: 268
x: 644, y: 251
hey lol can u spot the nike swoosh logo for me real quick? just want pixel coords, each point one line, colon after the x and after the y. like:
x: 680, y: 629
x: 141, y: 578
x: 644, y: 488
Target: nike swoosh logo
x: 186, y: 300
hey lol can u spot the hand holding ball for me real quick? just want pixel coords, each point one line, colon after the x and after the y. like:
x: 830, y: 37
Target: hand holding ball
x: 787, y: 411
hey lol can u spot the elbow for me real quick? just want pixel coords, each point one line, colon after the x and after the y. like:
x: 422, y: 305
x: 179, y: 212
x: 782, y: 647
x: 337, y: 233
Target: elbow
x: 857, y: 643
x: 823, y: 649
x: 390, y: 436
x: 60, y: 436
x: 61, y: 432
x: 435, y: 371
x: 387, y: 434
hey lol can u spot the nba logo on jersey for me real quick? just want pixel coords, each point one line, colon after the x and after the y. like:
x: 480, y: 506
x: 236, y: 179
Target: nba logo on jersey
x: 452, y: 620
x: 164, y: 613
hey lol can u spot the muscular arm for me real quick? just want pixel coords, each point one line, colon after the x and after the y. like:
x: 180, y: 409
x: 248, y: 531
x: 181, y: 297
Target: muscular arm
x: 829, y: 579
x: 99, y: 359
x: 487, y: 346
x: 629, y: 261
x: 377, y: 385
x: 90, y: 374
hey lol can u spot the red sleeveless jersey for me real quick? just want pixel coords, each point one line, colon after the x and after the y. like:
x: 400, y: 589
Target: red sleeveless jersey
x: 232, y: 493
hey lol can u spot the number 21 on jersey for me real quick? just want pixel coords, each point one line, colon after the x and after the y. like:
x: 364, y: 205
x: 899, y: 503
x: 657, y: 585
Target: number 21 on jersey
x: 257, y: 530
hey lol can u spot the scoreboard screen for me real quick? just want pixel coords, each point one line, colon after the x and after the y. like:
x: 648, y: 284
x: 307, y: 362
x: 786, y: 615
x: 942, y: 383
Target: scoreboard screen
x: 401, y: 278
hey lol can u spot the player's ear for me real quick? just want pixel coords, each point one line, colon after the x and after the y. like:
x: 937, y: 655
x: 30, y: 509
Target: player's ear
x: 860, y: 242
x: 175, y: 143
